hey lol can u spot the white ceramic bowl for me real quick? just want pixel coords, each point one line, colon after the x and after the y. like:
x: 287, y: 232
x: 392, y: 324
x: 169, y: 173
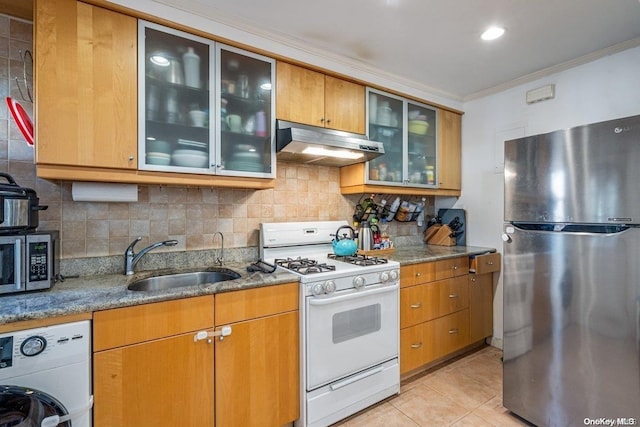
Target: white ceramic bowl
x: 161, y: 159
x: 190, y: 158
x: 159, y: 146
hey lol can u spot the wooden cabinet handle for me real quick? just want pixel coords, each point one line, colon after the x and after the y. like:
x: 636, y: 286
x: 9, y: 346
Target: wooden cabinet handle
x: 455, y: 267
x: 473, y: 279
x: 489, y: 262
x: 453, y: 295
x: 418, y: 305
x: 453, y: 331
x: 417, y: 274
x: 321, y: 119
x: 328, y: 120
x: 131, y: 157
x: 416, y: 345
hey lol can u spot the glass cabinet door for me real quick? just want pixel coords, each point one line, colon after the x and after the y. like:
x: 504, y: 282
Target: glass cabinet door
x: 408, y: 131
x: 386, y: 124
x: 245, y: 113
x: 175, y: 70
x: 421, y: 145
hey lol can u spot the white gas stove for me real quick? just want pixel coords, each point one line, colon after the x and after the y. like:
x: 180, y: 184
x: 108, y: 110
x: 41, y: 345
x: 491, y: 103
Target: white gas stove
x: 349, y: 320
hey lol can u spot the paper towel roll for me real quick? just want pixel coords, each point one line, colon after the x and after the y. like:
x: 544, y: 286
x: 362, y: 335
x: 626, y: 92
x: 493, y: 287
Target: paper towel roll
x: 103, y: 192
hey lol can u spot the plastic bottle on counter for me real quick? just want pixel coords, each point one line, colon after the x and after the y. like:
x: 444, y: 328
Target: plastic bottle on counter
x: 191, y: 61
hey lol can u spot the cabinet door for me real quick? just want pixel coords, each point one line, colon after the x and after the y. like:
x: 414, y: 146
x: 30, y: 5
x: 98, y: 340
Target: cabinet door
x: 175, y: 70
x: 167, y: 382
x: 86, y: 84
x: 344, y: 105
x: 421, y: 145
x: 299, y: 94
x: 453, y: 295
x: 480, y: 306
x: 451, y: 332
x: 449, y: 150
x: 385, y: 117
x: 257, y: 373
x: 245, y: 143
x: 417, y: 346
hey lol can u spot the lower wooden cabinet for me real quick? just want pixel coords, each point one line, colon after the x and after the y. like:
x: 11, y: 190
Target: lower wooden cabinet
x: 147, y: 368
x: 165, y: 382
x: 444, y: 309
x: 161, y: 364
x: 257, y: 365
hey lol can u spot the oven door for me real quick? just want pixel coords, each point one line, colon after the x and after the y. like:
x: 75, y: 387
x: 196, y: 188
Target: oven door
x: 350, y: 331
x: 11, y: 265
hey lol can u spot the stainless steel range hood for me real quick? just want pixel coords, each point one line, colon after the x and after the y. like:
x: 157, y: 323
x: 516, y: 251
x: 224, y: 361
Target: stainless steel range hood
x: 300, y: 143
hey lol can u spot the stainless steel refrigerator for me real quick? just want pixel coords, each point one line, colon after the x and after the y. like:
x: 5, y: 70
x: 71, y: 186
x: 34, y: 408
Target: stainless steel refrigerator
x: 572, y: 275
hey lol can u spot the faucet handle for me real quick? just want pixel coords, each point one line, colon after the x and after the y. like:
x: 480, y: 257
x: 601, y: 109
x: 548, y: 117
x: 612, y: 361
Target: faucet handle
x: 130, y: 247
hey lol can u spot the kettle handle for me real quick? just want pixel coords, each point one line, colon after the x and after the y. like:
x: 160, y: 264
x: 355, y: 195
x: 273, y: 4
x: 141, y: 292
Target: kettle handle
x: 344, y: 226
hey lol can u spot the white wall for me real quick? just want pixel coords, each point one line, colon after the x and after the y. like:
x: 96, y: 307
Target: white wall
x: 604, y: 89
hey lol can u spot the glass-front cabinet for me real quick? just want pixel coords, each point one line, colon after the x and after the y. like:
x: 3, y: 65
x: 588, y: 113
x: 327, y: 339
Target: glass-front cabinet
x: 204, y: 108
x: 408, y: 131
x: 245, y: 112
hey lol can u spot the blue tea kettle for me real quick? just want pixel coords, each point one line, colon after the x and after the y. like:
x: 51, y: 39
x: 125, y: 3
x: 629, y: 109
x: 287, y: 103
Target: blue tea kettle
x: 344, y: 246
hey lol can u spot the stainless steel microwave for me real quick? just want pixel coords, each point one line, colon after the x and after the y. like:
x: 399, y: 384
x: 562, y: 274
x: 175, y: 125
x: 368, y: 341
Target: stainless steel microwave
x: 29, y: 262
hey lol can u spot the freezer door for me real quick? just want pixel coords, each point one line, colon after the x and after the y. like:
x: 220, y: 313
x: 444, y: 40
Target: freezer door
x: 571, y: 324
x: 587, y: 174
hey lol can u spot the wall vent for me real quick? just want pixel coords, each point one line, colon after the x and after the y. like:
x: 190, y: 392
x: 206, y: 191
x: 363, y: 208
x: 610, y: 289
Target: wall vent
x: 541, y: 94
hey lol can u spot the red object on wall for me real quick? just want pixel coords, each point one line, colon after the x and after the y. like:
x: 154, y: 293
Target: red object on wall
x: 22, y: 119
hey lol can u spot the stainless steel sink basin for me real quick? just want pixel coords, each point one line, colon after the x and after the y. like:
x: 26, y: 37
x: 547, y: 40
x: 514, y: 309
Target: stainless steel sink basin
x: 179, y: 280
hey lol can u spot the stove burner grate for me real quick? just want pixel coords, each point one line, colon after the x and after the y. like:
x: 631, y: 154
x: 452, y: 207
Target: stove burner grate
x: 304, y: 265
x: 361, y: 260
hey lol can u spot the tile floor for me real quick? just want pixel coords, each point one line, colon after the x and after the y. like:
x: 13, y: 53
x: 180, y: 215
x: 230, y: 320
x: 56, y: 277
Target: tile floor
x: 465, y: 392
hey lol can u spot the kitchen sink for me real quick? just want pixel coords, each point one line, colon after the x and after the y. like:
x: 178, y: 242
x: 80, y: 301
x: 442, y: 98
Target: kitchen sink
x: 178, y: 280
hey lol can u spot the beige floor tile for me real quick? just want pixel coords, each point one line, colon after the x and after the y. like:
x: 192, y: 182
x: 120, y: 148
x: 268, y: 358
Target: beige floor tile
x: 385, y: 415
x: 461, y: 388
x: 471, y: 420
x: 427, y: 407
x: 494, y: 413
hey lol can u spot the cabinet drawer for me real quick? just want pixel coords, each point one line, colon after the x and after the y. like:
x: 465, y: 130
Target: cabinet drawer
x: 453, y: 267
x: 257, y: 302
x: 453, y: 295
x: 451, y: 332
x: 416, y: 274
x: 416, y: 346
x: 130, y: 325
x: 424, y: 302
x: 486, y: 263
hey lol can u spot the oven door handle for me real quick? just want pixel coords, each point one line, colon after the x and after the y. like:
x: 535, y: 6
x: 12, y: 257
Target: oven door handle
x: 356, y: 378
x: 354, y: 295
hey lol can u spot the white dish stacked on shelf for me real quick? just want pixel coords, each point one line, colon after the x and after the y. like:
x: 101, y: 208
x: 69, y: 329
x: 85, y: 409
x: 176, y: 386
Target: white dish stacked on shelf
x: 192, y: 154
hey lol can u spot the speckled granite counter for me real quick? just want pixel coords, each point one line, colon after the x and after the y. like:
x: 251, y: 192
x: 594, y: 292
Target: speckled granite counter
x: 415, y: 254
x: 92, y: 293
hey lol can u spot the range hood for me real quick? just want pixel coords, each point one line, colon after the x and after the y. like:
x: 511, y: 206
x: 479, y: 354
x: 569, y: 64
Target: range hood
x: 300, y: 143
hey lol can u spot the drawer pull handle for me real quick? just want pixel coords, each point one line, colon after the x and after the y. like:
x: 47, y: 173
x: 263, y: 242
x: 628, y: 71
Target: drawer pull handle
x: 455, y: 267
x: 453, y: 295
x: 418, y: 305
x: 418, y: 274
x: 453, y: 331
x: 473, y: 279
x: 490, y: 263
x: 419, y: 345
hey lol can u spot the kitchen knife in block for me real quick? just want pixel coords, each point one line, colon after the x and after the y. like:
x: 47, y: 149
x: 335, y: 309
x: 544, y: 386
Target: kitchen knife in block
x: 442, y: 237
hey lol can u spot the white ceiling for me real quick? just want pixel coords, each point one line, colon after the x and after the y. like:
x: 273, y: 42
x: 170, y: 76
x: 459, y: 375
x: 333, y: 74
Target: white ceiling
x: 436, y: 43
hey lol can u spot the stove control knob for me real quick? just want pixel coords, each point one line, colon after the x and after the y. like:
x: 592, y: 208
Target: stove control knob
x: 394, y: 275
x: 384, y: 276
x: 317, y: 289
x: 330, y: 287
x: 358, y: 282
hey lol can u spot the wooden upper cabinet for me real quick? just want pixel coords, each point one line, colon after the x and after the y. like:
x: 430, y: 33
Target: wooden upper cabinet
x: 310, y: 97
x: 449, y: 150
x: 85, y: 69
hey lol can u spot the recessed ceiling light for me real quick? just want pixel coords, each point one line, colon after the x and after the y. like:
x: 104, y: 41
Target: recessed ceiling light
x: 492, y: 33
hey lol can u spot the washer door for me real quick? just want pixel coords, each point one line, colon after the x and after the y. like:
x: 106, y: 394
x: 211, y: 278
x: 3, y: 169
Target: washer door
x: 26, y: 407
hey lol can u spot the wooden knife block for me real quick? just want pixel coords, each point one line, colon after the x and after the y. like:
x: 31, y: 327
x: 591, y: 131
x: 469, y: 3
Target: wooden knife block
x: 438, y: 234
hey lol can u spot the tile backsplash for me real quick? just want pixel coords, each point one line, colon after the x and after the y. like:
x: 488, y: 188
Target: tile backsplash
x: 189, y: 215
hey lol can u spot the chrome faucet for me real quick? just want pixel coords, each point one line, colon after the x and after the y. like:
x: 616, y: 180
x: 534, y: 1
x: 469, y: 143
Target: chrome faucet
x: 220, y: 259
x: 131, y: 258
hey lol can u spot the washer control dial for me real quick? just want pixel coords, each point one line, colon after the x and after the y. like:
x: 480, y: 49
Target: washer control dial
x: 33, y: 346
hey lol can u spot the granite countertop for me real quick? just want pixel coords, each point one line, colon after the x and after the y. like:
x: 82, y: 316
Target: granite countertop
x: 92, y: 293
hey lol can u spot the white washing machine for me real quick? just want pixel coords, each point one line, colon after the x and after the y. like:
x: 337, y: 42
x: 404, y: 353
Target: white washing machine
x: 45, y: 376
